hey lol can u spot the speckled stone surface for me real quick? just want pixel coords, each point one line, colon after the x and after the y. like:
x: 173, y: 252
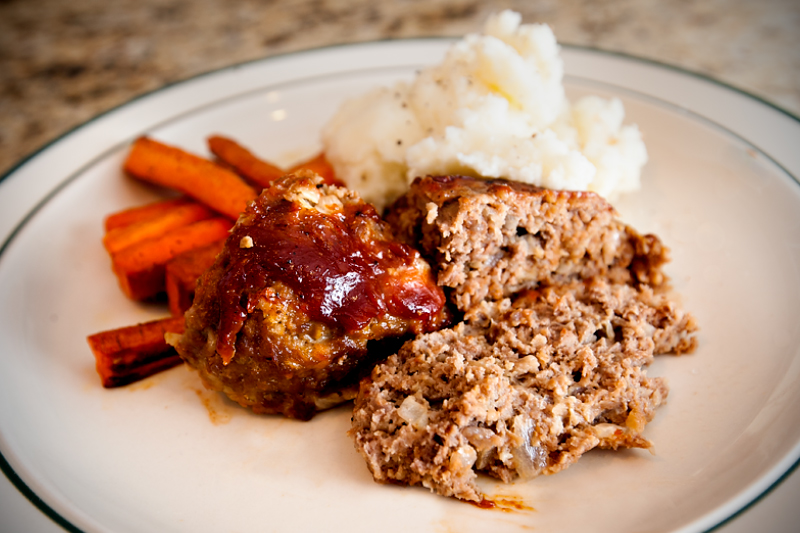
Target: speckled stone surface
x: 63, y: 62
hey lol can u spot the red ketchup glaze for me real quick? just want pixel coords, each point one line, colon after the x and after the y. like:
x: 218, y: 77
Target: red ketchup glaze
x: 341, y: 280
x: 505, y: 504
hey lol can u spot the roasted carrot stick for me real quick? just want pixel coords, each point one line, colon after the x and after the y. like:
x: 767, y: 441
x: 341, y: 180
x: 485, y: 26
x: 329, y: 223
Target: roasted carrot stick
x: 243, y: 161
x: 207, y: 182
x: 140, y: 268
x: 175, y: 217
x: 321, y: 166
x: 182, y: 273
x: 131, y: 215
x: 128, y: 354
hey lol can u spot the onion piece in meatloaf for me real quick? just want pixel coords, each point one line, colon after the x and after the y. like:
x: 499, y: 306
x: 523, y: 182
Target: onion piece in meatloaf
x: 296, y: 307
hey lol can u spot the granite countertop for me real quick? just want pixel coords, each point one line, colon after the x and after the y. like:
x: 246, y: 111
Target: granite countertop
x: 61, y: 63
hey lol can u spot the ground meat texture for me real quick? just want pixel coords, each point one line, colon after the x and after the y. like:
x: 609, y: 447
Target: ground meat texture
x: 520, y: 388
x: 304, y: 298
x: 489, y: 239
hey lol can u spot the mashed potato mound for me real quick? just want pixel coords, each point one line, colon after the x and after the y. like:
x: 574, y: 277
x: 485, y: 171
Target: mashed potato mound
x: 494, y: 108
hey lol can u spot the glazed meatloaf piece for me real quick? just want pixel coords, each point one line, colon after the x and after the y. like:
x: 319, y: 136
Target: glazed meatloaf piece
x: 295, y: 308
x: 493, y: 238
x: 521, y: 388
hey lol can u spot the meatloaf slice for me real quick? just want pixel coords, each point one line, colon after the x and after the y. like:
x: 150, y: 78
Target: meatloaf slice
x: 521, y: 388
x: 492, y: 238
x: 292, y: 311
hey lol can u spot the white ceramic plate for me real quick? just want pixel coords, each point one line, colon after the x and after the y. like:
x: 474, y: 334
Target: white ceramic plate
x: 163, y: 455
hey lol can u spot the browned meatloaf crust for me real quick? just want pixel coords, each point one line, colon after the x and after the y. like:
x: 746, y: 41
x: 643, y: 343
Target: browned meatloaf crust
x: 308, y: 283
x: 521, y: 388
x: 491, y: 238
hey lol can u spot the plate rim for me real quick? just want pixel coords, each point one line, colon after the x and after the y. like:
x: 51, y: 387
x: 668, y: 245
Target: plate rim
x: 43, y: 197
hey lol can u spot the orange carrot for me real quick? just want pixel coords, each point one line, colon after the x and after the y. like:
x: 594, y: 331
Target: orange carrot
x: 207, y: 182
x: 243, y: 161
x: 131, y: 215
x: 182, y: 215
x: 140, y: 268
x: 131, y: 353
x: 182, y: 273
x: 321, y: 166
